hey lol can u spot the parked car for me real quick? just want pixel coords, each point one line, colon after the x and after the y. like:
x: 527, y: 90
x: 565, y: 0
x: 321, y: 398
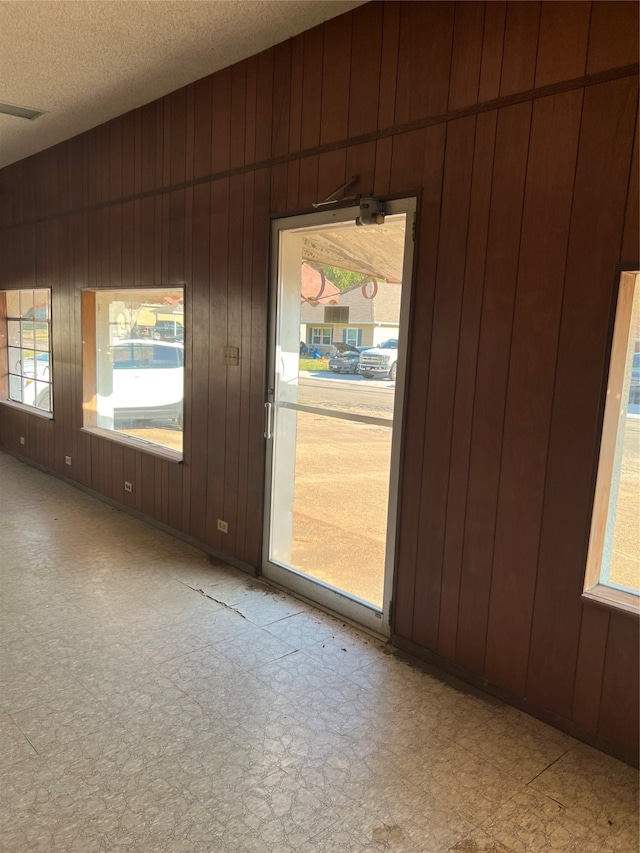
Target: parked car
x: 36, y: 386
x: 380, y: 361
x: 164, y: 330
x: 148, y: 380
x: 346, y: 358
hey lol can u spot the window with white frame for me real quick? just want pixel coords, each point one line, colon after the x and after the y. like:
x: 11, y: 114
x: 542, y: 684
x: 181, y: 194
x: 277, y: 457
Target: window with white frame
x: 613, y: 563
x: 133, y: 365
x: 353, y: 337
x: 321, y: 336
x: 25, y: 360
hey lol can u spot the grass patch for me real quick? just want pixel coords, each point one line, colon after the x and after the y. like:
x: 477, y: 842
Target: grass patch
x: 314, y: 364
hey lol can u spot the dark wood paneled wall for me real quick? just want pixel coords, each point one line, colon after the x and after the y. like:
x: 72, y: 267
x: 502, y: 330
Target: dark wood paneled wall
x: 515, y: 125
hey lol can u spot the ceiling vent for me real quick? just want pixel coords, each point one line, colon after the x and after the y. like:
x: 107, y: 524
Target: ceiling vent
x: 21, y: 112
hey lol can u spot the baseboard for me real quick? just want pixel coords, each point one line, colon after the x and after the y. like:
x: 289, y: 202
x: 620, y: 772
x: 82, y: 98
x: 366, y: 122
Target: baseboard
x: 159, y: 525
x: 421, y: 657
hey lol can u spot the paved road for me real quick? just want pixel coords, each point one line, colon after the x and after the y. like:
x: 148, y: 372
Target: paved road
x: 347, y: 393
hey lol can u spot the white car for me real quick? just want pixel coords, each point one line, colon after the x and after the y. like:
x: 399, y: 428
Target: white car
x: 147, y: 381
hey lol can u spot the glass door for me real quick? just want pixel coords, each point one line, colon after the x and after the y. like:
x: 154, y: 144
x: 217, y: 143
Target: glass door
x: 339, y: 318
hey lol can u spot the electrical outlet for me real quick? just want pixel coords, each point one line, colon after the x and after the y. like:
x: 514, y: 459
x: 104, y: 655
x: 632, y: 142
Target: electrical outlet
x: 21, y: 439
x: 127, y: 486
x: 67, y: 460
x: 223, y: 527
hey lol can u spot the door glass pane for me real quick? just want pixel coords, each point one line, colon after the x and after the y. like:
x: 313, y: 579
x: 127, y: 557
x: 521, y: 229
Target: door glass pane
x: 331, y: 519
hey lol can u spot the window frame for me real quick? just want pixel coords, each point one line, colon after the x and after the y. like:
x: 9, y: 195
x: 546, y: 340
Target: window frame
x: 358, y: 335
x: 615, y: 405
x: 322, y: 331
x: 5, y: 373
x: 89, y: 298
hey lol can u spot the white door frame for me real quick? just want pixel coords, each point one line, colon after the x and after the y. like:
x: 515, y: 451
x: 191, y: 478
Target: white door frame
x: 360, y: 612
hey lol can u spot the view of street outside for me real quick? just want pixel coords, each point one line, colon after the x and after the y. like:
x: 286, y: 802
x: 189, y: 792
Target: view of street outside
x: 625, y: 567
x: 342, y: 483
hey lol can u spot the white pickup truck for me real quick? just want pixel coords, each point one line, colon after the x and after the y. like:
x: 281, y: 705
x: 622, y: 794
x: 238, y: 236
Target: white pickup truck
x: 380, y: 361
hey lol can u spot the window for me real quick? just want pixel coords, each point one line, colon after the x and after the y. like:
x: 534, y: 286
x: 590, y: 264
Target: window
x: 336, y: 314
x: 133, y: 366
x: 613, y: 563
x: 321, y: 336
x: 353, y: 337
x: 25, y: 361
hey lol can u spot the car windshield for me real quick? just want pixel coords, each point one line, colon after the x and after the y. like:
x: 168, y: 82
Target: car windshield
x: 389, y: 345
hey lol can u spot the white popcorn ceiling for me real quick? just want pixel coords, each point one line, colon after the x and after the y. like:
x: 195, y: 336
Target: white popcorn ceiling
x: 87, y: 61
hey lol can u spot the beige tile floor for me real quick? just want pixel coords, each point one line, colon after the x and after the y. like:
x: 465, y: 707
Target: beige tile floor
x: 153, y: 701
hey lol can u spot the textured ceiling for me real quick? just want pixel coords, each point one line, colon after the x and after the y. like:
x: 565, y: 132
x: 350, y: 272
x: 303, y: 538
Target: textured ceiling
x: 89, y: 61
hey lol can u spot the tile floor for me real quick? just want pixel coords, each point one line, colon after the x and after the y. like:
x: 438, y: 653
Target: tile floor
x: 153, y: 701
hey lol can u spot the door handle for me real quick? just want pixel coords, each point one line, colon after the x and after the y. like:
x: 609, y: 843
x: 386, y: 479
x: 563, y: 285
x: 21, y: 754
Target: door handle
x: 268, y: 420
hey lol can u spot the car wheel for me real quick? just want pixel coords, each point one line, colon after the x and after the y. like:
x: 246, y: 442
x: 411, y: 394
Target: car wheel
x: 367, y: 375
x: 393, y: 371
x: 156, y: 336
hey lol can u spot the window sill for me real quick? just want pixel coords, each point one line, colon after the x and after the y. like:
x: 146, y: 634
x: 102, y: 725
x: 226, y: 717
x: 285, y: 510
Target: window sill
x: 613, y: 599
x: 136, y: 443
x: 31, y: 410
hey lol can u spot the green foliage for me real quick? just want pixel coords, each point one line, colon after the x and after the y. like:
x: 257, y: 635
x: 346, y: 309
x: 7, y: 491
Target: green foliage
x: 343, y: 279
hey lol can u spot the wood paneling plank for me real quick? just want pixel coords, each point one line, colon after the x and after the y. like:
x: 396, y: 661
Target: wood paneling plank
x: 364, y: 74
x: 630, y: 255
x: 218, y: 266
x: 454, y: 216
x: 312, y: 88
x: 308, y: 183
x: 264, y: 103
x: 238, y: 114
x: 562, y: 48
x: 536, y: 323
x: 613, y: 36
x: 258, y: 357
x: 243, y: 520
x: 336, y: 66
x: 618, y: 718
x: 250, y: 110
x: 281, y: 99
x: 361, y: 161
x: 331, y: 172
x: 586, y: 682
x: 199, y: 334
x: 520, y: 47
x: 220, y: 120
x: 296, y: 93
x: 202, y: 127
x: 480, y: 202
x: 389, y: 64
x: 234, y: 305
x: 503, y: 245
x: 495, y: 17
x: 426, y: 254
x: 423, y: 73
x: 467, y: 54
